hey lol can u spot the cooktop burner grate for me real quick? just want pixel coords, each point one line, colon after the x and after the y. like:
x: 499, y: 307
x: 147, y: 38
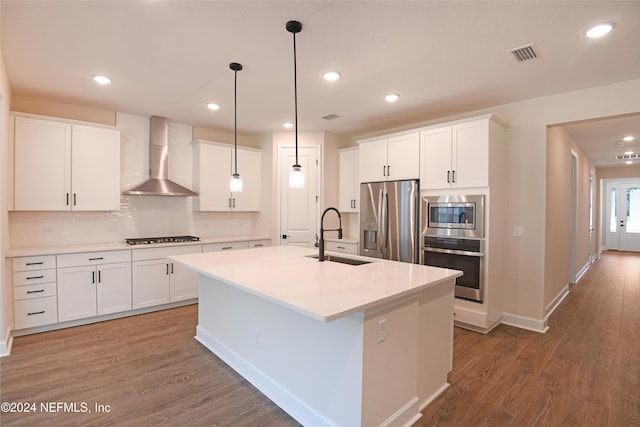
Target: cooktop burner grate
x: 168, y: 239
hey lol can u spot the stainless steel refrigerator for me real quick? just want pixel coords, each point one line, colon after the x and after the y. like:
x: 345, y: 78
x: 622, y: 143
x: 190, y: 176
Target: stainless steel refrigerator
x: 389, y: 224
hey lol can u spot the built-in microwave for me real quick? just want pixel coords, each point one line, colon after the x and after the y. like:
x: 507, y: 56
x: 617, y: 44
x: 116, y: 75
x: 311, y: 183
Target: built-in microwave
x: 454, y: 216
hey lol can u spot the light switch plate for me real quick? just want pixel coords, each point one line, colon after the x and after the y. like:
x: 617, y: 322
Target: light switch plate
x: 518, y: 231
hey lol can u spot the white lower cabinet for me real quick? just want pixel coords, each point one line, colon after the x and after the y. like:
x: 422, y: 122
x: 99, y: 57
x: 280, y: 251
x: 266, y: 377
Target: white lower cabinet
x: 101, y: 287
x: 34, y: 291
x: 341, y: 246
x: 158, y: 281
x: 227, y: 246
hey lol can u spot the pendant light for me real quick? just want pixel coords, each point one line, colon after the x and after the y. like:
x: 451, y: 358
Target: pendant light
x: 296, y: 176
x: 235, y: 183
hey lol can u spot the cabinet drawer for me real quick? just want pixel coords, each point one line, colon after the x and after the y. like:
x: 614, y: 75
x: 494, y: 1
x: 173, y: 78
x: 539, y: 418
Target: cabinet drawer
x: 215, y: 247
x: 163, y: 252
x: 34, y: 291
x: 33, y: 277
x: 29, y: 263
x: 30, y: 313
x: 259, y: 243
x: 93, y: 258
x: 346, y: 247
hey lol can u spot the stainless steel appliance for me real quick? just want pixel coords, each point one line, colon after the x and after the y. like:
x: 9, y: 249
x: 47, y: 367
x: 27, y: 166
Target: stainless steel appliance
x: 453, y: 237
x: 389, y: 219
x: 168, y: 239
x: 466, y: 255
x: 456, y: 216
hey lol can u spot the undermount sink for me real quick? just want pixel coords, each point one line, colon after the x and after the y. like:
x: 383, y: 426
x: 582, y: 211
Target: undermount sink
x: 340, y: 259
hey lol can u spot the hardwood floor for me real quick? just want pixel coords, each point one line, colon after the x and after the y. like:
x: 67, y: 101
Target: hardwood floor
x: 585, y: 371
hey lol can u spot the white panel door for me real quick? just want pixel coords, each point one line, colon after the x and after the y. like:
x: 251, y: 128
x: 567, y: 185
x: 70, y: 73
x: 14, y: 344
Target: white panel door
x: 299, y: 206
x: 42, y: 165
x: 622, y: 215
x: 95, y: 168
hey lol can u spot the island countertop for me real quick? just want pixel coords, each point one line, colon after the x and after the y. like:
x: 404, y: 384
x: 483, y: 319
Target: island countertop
x: 325, y: 291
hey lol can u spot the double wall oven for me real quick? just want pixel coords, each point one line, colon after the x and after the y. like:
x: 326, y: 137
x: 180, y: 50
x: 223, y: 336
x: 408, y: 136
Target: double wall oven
x: 453, y: 237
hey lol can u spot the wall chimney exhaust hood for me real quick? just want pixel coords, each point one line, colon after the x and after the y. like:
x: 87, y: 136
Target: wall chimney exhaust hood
x: 158, y: 183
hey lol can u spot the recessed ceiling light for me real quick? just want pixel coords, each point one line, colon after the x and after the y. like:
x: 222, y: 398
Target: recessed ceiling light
x: 331, y: 76
x: 103, y: 80
x: 213, y: 106
x: 287, y: 125
x: 628, y: 162
x: 628, y: 138
x: 628, y: 153
x: 393, y: 97
x: 599, y: 30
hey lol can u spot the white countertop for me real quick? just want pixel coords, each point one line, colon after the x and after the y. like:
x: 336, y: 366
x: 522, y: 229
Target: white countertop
x: 322, y: 290
x: 93, y: 247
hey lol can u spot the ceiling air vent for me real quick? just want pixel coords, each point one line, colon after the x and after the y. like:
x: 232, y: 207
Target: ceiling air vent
x: 628, y: 157
x: 330, y: 116
x: 525, y: 53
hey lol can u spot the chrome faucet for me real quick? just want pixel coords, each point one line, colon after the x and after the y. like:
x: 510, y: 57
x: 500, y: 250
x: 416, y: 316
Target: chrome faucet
x: 322, y: 230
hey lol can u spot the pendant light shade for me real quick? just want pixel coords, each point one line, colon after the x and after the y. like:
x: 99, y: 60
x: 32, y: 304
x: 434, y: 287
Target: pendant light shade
x: 296, y: 176
x: 235, y: 183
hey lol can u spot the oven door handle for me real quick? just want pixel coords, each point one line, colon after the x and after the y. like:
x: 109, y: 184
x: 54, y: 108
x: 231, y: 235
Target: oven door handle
x: 452, y: 251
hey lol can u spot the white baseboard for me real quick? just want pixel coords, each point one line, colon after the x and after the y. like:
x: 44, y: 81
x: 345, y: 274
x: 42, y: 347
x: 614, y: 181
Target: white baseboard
x: 5, y: 343
x: 582, y: 271
x: 535, y: 325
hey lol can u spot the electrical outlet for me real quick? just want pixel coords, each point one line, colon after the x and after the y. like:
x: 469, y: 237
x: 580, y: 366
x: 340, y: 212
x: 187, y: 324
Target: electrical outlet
x: 382, y: 330
x: 518, y: 231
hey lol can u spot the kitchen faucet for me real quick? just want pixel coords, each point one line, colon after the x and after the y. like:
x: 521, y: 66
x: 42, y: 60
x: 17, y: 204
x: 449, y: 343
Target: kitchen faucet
x: 322, y: 230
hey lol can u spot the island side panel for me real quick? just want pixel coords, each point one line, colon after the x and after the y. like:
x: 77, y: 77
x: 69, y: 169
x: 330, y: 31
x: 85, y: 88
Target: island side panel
x: 435, y: 345
x: 390, y: 361
x: 311, y: 369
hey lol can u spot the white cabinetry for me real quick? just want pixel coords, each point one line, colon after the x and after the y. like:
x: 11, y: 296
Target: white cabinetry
x: 213, y: 166
x: 349, y: 180
x: 393, y: 157
x: 93, y: 284
x: 455, y: 156
x: 34, y: 291
x: 158, y: 281
x: 341, y: 246
x: 227, y: 246
x: 63, y: 166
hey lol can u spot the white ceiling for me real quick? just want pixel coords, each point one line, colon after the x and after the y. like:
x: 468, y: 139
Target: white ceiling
x: 170, y: 58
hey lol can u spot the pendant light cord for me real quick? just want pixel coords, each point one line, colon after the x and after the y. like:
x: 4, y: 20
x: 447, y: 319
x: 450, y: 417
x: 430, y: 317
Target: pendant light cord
x: 235, y: 120
x: 295, y: 92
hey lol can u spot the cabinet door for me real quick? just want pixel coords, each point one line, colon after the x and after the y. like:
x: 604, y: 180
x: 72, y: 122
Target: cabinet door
x: 470, y: 159
x: 250, y: 169
x: 348, y: 181
x: 76, y: 293
x: 373, y: 160
x: 42, y: 164
x: 403, y: 157
x: 213, y: 173
x: 114, y: 288
x: 95, y: 168
x: 184, y: 283
x: 435, y: 159
x: 150, y: 283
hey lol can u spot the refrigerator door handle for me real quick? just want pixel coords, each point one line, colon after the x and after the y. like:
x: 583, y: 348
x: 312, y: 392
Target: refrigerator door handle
x: 384, y: 221
x: 381, y: 230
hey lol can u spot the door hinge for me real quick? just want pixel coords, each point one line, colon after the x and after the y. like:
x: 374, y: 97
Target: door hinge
x: 317, y: 199
x: 316, y: 162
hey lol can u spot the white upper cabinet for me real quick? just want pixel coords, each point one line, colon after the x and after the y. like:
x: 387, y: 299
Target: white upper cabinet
x: 455, y: 156
x: 390, y: 158
x: 213, y: 166
x: 63, y: 166
x: 349, y: 180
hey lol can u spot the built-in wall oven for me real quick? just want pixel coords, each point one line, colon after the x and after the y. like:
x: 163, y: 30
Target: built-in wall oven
x: 453, y: 237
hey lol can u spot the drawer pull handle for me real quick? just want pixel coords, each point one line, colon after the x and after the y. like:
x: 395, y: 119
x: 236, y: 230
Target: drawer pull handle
x: 258, y: 245
x: 35, y: 277
x: 35, y: 292
x: 227, y: 247
x: 35, y: 263
x: 341, y: 247
x: 35, y: 312
x: 96, y: 259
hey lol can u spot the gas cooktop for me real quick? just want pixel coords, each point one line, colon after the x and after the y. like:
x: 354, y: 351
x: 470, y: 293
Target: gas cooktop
x: 168, y: 239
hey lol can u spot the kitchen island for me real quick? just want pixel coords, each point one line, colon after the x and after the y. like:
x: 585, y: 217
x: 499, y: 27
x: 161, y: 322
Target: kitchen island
x: 330, y: 343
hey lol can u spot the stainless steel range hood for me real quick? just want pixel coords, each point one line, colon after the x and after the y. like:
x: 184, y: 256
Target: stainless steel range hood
x: 158, y: 183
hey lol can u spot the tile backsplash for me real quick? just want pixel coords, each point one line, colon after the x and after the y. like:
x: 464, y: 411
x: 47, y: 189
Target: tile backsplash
x: 139, y: 216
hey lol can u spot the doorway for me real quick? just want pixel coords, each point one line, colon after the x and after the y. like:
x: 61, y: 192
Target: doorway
x: 622, y: 215
x: 299, y: 206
